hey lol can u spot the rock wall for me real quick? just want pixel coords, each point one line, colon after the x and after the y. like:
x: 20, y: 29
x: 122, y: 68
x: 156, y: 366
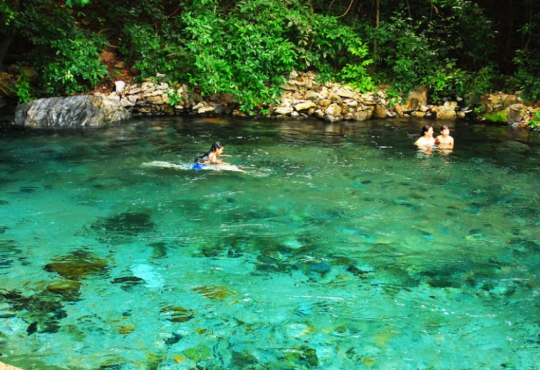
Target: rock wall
x: 303, y: 97
x: 513, y: 109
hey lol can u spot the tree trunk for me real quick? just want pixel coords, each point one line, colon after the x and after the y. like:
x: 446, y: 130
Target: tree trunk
x: 10, y: 35
x: 4, y: 45
x: 376, y: 27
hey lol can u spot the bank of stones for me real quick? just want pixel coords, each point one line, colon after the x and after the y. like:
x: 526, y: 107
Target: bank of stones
x: 304, y: 97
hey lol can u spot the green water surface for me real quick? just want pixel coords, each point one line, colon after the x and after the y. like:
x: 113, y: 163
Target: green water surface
x: 341, y: 247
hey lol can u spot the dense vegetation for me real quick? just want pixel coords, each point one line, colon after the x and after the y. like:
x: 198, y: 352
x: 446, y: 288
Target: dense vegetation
x: 247, y: 47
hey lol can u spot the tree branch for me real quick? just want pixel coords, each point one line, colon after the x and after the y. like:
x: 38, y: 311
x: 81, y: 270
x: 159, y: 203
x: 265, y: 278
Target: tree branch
x: 347, y: 9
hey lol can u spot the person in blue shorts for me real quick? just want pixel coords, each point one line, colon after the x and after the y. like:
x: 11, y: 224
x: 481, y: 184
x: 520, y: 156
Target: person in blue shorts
x: 210, y: 157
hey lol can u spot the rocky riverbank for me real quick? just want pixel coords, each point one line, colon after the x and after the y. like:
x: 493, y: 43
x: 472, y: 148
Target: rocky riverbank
x: 303, y: 97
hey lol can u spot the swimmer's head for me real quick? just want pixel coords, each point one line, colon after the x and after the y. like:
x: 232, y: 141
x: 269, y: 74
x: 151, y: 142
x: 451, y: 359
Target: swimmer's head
x: 426, y: 128
x: 217, y: 147
x: 444, y: 128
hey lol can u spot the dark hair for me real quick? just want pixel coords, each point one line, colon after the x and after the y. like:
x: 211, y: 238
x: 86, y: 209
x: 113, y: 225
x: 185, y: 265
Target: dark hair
x: 444, y: 127
x: 425, y: 129
x: 217, y: 145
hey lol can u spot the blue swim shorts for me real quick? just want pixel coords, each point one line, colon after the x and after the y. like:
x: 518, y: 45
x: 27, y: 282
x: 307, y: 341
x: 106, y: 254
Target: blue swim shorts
x: 197, y: 166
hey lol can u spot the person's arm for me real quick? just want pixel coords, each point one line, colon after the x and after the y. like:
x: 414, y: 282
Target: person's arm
x: 214, y: 159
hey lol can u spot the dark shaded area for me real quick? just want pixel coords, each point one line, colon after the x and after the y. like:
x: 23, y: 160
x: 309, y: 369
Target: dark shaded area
x: 117, y: 228
x: 42, y: 310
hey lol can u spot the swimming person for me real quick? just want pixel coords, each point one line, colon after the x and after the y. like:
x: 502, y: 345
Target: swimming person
x: 426, y: 141
x: 444, y: 141
x: 211, y: 156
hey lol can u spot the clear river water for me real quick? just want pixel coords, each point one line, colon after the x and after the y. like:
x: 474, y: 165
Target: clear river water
x: 340, y: 247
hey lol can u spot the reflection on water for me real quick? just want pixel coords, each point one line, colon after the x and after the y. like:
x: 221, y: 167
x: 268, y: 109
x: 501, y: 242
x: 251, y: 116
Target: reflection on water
x: 340, y: 248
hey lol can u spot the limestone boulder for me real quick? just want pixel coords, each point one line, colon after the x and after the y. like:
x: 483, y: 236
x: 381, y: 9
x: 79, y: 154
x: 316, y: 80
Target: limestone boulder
x: 283, y: 110
x: 311, y: 95
x: 416, y: 99
x: 380, y: 111
x: 333, y: 110
x: 203, y: 110
x: 510, y: 100
x: 446, y: 113
x: 364, y: 114
x: 74, y: 111
x: 319, y: 113
x: 323, y: 103
x: 304, y: 106
x: 157, y: 99
x: 515, y: 113
x: 346, y: 93
x: 331, y: 119
x: 335, y: 98
x: 450, y: 105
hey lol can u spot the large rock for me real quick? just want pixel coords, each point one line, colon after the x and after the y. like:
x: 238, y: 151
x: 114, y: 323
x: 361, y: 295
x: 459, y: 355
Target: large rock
x: 74, y: 111
x: 283, y: 110
x: 380, y: 111
x: 333, y: 110
x: 312, y: 95
x: 515, y: 113
x: 363, y: 115
x: 446, y: 113
x: 345, y: 93
x: 304, y: 105
x: 416, y: 99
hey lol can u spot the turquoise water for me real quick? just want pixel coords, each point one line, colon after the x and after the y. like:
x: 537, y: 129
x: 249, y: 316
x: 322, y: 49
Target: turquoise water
x: 341, y: 247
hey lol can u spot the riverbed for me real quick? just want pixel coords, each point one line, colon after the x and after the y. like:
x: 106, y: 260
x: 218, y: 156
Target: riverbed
x: 340, y: 247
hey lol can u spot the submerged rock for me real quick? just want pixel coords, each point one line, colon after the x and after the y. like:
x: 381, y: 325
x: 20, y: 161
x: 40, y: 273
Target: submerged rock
x: 214, y: 293
x: 68, y: 289
x: 177, y: 313
x: 127, y: 223
x: 42, y: 310
x: 77, y: 265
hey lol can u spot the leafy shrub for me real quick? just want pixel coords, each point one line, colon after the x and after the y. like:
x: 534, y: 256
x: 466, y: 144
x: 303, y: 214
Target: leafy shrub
x: 75, y: 66
x: 535, y: 121
x: 528, y: 73
x: 22, y: 87
x: 356, y: 75
x: 497, y: 116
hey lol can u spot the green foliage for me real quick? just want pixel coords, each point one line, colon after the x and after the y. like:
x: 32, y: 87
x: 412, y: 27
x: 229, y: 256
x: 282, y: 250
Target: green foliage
x: 76, y: 66
x: 248, y: 47
x: 174, y: 97
x: 22, y: 87
x: 356, y: 75
x: 247, y: 52
x: 72, y: 3
x: 7, y: 14
x: 535, y: 121
x: 497, y: 116
x: 528, y: 73
x: 481, y: 83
